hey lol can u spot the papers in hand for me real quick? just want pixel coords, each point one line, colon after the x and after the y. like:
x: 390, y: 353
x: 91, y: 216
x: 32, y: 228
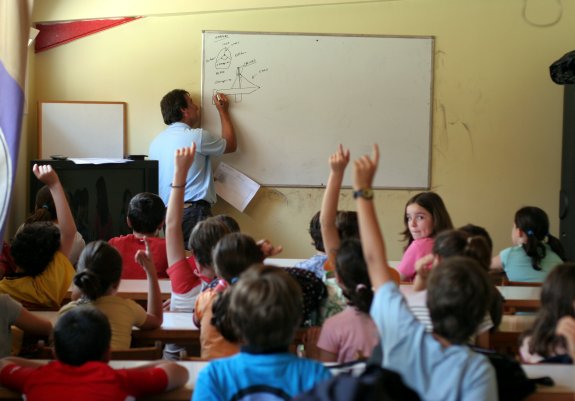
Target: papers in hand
x: 234, y: 187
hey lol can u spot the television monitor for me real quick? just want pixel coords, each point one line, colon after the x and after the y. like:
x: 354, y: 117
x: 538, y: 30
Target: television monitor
x: 99, y: 194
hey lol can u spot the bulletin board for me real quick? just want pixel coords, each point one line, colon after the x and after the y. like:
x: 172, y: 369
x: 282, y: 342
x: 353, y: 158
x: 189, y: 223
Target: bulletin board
x: 295, y: 97
x: 82, y: 129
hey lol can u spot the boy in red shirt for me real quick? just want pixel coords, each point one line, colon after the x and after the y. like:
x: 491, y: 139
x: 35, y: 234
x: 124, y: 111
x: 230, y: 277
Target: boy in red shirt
x: 81, y: 372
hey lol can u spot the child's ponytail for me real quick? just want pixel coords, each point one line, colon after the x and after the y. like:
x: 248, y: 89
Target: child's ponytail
x: 351, y: 269
x: 534, y: 222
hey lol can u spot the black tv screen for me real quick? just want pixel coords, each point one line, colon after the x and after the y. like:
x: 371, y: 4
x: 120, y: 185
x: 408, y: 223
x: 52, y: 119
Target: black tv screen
x: 99, y: 193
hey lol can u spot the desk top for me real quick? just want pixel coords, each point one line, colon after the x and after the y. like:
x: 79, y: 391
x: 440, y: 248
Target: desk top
x: 138, y: 289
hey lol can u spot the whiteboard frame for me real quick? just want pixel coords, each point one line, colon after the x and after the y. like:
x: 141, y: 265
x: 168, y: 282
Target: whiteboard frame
x: 347, y: 179
x: 101, y: 134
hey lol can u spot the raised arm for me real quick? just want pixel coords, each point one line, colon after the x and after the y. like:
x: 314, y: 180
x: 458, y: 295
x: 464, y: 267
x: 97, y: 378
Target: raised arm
x: 47, y: 175
x: 228, y: 131
x: 337, y: 163
x: 155, y: 307
x: 371, y: 237
x: 175, y: 250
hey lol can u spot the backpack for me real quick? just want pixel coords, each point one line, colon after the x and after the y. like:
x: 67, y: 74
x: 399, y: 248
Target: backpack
x: 374, y: 384
x: 512, y: 382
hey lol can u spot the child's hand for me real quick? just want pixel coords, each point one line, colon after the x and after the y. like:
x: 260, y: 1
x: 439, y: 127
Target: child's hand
x: 46, y: 174
x: 183, y: 160
x: 339, y: 160
x: 365, y: 168
x: 566, y: 328
x: 144, y: 259
x: 268, y: 249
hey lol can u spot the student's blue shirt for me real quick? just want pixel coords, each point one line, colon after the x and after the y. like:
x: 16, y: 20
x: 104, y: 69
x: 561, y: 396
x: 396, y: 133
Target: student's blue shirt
x: 199, y: 183
x: 435, y: 372
x: 245, y: 376
x: 518, y: 266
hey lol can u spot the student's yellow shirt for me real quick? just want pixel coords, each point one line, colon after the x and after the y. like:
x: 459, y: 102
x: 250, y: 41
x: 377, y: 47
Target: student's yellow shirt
x: 122, y: 314
x: 47, y: 289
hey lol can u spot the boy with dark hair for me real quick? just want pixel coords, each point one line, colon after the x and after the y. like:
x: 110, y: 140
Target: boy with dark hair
x: 81, y: 372
x: 41, y: 250
x: 265, y: 310
x: 438, y: 366
x: 146, y: 214
x: 316, y: 262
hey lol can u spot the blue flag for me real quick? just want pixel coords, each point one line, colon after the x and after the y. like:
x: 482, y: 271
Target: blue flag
x: 14, y: 32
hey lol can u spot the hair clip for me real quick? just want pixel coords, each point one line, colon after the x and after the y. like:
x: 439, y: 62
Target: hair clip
x: 234, y: 280
x: 45, y: 207
x: 529, y: 232
x: 360, y: 287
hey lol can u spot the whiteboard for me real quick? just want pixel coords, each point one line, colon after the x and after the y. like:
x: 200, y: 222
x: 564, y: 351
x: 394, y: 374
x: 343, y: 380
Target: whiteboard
x: 81, y: 129
x: 295, y: 97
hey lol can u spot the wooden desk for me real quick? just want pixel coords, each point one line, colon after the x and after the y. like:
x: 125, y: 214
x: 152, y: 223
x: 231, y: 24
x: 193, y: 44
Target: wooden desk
x: 177, y: 328
x: 562, y: 375
x: 523, y: 298
x: 138, y: 289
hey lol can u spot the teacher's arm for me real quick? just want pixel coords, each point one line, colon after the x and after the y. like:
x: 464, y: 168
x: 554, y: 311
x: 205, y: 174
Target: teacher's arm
x: 228, y: 131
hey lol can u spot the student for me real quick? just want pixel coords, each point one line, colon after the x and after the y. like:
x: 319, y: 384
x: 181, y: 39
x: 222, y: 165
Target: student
x: 447, y: 244
x: 187, y: 273
x: 45, y: 210
x: 316, y: 262
x: 182, y: 116
x: 146, y: 214
x: 425, y: 217
x: 265, y: 310
x: 81, y: 370
x: 40, y: 251
x: 437, y: 366
x: 351, y: 334
x: 531, y: 258
x: 542, y: 342
x: 97, y: 281
x: 14, y: 314
x: 233, y: 254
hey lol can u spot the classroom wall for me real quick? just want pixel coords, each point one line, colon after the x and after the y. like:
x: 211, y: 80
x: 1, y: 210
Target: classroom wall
x: 497, y: 116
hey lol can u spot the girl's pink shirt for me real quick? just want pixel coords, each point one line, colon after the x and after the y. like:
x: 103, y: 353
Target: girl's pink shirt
x: 416, y: 250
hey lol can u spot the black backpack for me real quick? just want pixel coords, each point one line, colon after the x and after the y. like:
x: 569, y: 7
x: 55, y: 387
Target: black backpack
x: 374, y: 384
x: 512, y: 382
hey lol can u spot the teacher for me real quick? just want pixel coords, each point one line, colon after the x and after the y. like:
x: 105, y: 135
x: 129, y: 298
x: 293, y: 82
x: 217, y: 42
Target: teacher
x: 182, y: 115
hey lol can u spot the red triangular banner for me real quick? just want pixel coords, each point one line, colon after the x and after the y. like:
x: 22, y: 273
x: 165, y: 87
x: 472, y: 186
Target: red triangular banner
x: 58, y: 33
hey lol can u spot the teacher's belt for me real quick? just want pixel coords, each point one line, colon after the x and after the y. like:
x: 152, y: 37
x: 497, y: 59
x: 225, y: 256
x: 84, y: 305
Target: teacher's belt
x: 197, y: 204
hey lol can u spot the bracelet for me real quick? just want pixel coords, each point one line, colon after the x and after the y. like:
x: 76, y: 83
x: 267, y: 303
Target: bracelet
x: 177, y: 186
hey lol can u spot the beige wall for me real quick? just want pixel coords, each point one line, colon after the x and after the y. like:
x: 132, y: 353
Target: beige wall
x: 497, y: 116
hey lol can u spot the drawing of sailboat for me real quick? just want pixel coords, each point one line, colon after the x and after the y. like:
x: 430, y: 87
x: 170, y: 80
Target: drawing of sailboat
x: 241, y: 86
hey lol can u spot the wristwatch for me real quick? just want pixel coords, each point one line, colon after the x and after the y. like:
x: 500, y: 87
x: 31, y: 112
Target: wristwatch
x: 366, y: 193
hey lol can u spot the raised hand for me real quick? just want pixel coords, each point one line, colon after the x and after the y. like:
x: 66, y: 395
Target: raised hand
x: 339, y: 160
x: 183, y: 160
x: 46, y: 174
x: 144, y: 259
x: 365, y: 168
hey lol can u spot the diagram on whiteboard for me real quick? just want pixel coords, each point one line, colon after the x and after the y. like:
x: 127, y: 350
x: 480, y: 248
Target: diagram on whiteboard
x: 235, y: 73
x: 241, y: 86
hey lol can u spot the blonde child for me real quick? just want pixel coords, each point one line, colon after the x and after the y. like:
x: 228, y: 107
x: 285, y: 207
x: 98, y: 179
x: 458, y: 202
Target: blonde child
x: 534, y: 253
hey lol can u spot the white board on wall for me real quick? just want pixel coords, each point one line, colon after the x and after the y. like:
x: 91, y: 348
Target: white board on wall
x: 81, y: 129
x: 295, y: 97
